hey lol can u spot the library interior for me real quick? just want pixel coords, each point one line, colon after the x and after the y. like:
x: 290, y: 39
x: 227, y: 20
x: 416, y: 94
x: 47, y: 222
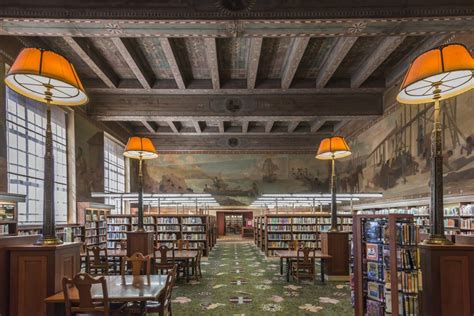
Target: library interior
x: 236, y: 157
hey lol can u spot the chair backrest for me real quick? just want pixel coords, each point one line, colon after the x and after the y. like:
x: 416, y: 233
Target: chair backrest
x: 123, y: 244
x: 96, y: 253
x: 140, y: 264
x: 182, y: 244
x: 83, y: 283
x: 294, y: 245
x: 162, y: 256
x: 199, y: 254
x: 170, y: 281
x: 306, y: 255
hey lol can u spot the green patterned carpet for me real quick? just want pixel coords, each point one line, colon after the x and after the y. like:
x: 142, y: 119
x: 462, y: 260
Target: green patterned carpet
x: 239, y: 280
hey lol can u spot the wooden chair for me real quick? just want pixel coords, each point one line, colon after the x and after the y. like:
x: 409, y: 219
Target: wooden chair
x: 195, y: 265
x: 162, y: 261
x: 140, y: 264
x: 162, y: 305
x: 97, y: 260
x: 294, y: 245
x: 304, y: 266
x: 83, y: 283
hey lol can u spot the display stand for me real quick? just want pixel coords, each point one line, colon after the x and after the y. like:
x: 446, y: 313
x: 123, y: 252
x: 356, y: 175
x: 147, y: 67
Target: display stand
x: 336, y: 244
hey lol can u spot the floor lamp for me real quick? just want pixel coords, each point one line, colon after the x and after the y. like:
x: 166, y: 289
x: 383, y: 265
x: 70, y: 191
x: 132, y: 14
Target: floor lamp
x: 47, y: 77
x: 436, y: 75
x: 333, y: 148
x: 140, y: 148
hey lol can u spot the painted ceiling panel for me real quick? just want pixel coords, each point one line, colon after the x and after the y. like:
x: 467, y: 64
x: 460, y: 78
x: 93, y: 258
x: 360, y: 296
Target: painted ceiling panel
x: 313, y: 57
x: 151, y: 48
x: 195, y: 50
x: 109, y: 51
x: 232, y: 54
x: 272, y: 58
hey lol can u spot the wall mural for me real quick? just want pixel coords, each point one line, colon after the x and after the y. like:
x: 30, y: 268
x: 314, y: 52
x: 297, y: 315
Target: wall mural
x: 393, y: 155
x: 235, y: 179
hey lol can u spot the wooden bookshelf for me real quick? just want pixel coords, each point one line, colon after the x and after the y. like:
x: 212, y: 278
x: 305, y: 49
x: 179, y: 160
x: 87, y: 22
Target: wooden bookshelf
x: 392, y: 279
x: 198, y: 229
x: 275, y: 231
x: 9, y: 213
x: 93, y: 216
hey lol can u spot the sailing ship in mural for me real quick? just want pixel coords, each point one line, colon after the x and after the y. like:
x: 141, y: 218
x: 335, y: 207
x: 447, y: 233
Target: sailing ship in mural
x: 398, y: 151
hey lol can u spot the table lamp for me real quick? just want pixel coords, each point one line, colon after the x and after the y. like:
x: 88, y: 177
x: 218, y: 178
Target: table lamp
x: 140, y: 148
x: 333, y: 148
x: 438, y: 74
x: 45, y: 76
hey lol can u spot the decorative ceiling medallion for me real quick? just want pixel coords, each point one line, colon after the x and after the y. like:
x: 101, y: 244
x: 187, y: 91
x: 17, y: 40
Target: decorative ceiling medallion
x: 233, y: 142
x: 113, y: 28
x: 357, y: 28
x: 235, y: 6
x: 233, y: 105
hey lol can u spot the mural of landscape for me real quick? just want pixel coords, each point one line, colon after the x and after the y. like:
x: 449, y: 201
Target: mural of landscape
x: 236, y: 179
x: 394, y: 155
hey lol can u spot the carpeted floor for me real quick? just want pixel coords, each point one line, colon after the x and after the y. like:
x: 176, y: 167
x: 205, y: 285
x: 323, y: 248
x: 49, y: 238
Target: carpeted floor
x: 238, y: 280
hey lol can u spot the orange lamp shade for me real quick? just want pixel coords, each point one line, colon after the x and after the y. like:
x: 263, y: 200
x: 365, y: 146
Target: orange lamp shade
x: 46, y: 76
x: 140, y: 148
x: 333, y: 148
x: 439, y: 73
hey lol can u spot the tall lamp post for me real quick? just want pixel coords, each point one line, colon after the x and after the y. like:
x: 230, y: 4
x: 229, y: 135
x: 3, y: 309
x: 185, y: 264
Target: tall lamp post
x: 436, y: 75
x: 140, y: 148
x: 47, y: 77
x: 333, y: 148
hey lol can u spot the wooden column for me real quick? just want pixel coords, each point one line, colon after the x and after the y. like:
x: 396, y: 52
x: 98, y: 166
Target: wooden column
x: 448, y: 279
x: 336, y: 244
x: 140, y: 241
x: 36, y: 272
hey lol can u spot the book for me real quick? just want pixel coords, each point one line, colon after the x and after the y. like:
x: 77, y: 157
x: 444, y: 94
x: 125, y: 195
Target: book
x: 375, y: 290
x: 375, y: 308
x: 372, y: 252
x: 375, y: 271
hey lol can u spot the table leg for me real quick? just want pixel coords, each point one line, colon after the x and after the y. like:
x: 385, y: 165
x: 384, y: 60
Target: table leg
x: 287, y: 269
x: 322, y: 270
x: 142, y: 307
x: 187, y: 270
x: 281, y: 265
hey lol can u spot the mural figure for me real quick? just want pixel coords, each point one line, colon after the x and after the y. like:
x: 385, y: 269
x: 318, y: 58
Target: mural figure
x: 312, y: 182
x: 269, y: 170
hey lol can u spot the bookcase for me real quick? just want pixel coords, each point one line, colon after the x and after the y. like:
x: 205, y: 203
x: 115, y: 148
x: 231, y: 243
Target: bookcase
x: 65, y: 232
x: 9, y: 213
x: 386, y: 277
x: 275, y: 232
x: 95, y: 227
x: 458, y: 215
x: 198, y: 229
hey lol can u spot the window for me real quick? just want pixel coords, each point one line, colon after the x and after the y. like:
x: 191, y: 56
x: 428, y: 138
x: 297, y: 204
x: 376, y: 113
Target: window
x: 26, y: 129
x: 114, y: 171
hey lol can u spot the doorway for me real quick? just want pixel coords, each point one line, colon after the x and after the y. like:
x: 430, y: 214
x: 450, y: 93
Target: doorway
x: 233, y: 224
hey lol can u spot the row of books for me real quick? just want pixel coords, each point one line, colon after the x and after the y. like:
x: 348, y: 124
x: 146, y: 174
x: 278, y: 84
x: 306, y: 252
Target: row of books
x: 164, y: 236
x: 118, y: 220
x: 279, y: 236
x: 279, y: 220
x: 286, y: 228
x: 278, y: 244
x: 117, y: 236
x: 167, y: 220
x: 467, y: 223
x: 304, y: 220
x: 4, y: 229
x: 118, y: 228
x: 146, y: 220
x: 191, y: 220
x: 168, y: 228
x: 304, y: 236
x: 194, y: 236
x: 193, y: 228
x: 407, y: 234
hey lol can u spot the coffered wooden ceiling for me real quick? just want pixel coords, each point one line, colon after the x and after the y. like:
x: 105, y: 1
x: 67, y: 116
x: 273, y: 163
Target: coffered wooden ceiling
x: 235, y: 75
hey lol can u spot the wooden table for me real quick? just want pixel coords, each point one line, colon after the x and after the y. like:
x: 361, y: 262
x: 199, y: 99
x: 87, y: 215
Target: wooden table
x: 122, y: 289
x: 293, y: 254
x: 184, y: 255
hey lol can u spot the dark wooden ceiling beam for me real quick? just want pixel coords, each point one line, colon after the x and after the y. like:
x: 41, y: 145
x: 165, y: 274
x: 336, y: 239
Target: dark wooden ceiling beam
x: 255, y: 49
x: 135, y: 60
x: 399, y: 70
x: 316, y: 124
x: 333, y: 59
x: 173, y: 62
x: 86, y: 51
x: 251, y: 142
x: 174, y: 128
x: 245, y: 126
x: 375, y: 59
x: 252, y: 107
x: 212, y: 61
x: 148, y: 126
x: 292, y: 126
x: 293, y: 58
x: 269, y: 126
x: 197, y: 127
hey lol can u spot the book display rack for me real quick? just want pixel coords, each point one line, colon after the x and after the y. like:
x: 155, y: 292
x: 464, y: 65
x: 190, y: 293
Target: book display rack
x: 386, y: 275
x: 275, y: 232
